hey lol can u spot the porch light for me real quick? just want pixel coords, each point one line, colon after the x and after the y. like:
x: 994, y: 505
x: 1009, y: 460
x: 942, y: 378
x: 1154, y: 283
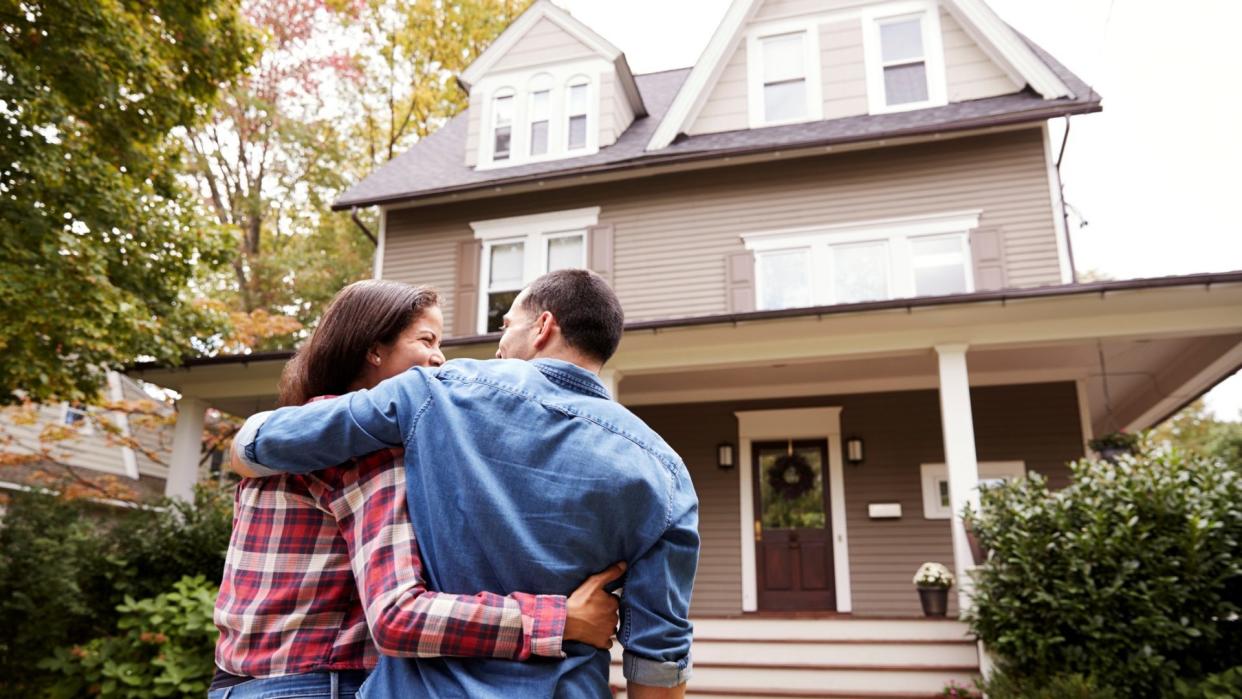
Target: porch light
x: 724, y: 456
x: 854, y: 450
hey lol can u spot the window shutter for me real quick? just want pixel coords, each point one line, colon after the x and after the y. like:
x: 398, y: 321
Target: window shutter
x: 466, y: 291
x: 987, y: 248
x: 740, y: 268
x: 599, y: 250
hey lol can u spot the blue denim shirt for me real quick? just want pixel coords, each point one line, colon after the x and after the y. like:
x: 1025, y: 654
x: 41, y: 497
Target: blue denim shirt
x: 522, y: 476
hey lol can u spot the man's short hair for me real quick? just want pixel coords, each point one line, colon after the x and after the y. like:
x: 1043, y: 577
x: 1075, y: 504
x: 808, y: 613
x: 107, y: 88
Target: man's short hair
x: 585, y: 307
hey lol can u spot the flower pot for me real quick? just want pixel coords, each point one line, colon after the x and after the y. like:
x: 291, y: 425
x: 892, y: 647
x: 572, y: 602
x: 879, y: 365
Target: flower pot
x: 1113, y: 454
x: 978, y: 553
x: 935, y: 600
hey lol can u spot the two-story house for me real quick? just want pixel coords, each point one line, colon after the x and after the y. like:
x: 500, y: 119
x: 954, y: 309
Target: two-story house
x: 850, y: 297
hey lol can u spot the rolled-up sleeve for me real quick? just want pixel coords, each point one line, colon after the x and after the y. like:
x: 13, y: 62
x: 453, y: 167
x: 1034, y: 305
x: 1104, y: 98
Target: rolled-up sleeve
x: 655, y: 606
x: 325, y: 433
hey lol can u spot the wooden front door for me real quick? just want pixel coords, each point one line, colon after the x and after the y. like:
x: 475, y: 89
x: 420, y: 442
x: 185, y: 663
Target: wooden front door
x: 793, y: 532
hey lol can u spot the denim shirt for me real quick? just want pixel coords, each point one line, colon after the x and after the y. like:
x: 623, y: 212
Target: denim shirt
x: 522, y: 476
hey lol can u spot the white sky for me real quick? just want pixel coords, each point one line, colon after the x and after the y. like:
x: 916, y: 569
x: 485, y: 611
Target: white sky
x: 1156, y: 175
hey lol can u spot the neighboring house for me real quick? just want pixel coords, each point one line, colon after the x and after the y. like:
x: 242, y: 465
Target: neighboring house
x: 89, y: 449
x: 838, y: 237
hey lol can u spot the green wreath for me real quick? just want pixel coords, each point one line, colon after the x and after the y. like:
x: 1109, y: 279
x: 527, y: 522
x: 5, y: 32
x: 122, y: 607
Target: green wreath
x: 791, y: 476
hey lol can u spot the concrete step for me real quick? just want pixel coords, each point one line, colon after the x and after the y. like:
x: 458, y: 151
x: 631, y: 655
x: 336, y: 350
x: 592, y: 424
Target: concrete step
x: 844, y: 680
x: 849, y: 629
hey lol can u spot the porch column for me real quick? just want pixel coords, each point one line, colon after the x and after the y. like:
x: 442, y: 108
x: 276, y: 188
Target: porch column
x: 959, y: 456
x: 611, y: 378
x: 187, y: 449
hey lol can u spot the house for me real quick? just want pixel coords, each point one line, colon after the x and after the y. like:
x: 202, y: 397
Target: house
x: 95, y: 442
x: 843, y: 255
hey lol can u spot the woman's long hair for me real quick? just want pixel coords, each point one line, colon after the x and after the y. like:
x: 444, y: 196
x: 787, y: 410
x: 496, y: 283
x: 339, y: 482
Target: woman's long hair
x: 361, y: 316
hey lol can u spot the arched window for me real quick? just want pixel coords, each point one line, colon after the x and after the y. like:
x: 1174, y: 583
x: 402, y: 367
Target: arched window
x: 539, y: 113
x: 577, y: 112
x: 502, y: 124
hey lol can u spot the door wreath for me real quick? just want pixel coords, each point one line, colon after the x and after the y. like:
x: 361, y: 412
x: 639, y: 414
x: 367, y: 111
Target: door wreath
x: 791, y: 476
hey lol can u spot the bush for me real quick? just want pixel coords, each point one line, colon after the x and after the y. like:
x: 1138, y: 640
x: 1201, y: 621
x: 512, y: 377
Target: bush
x: 1003, y: 685
x: 1222, y: 685
x: 66, y: 567
x: 164, y: 649
x: 1130, y: 576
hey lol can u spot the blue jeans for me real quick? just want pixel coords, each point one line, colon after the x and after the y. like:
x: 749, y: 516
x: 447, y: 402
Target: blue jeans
x: 308, y: 685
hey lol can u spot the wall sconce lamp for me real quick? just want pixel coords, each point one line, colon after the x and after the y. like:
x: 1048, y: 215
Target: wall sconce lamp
x: 854, y: 450
x: 724, y: 456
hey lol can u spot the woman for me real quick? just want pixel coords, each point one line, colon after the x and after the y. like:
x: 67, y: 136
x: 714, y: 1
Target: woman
x: 323, y: 570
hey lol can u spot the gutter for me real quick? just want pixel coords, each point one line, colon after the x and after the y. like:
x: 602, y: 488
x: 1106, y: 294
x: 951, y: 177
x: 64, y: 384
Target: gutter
x: 1206, y: 280
x: 648, y: 161
x: 353, y: 215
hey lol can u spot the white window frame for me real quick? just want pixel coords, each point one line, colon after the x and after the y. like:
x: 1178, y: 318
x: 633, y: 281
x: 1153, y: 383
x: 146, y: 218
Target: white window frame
x: 503, y: 93
x: 84, y: 426
x: 933, y: 54
x: 812, y: 63
x: 932, y: 475
x: 535, y: 231
x: 897, y: 232
x: 522, y: 84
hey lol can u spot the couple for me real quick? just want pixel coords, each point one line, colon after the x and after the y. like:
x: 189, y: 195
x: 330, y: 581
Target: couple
x: 519, y: 476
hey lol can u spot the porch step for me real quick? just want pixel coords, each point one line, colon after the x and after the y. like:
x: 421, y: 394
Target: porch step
x: 825, y: 658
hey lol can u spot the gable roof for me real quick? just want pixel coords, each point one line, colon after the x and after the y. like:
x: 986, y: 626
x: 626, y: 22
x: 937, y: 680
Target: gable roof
x: 435, y: 166
x: 544, y: 9
x: 1002, y: 44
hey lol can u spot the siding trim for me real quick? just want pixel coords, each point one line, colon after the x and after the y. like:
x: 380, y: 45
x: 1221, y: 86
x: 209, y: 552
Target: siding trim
x: 1068, y: 274
x: 377, y: 266
x: 797, y: 423
x: 116, y: 394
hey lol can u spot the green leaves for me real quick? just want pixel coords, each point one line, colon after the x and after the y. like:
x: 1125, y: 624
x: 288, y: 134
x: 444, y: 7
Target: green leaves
x: 1131, y: 576
x: 97, y: 238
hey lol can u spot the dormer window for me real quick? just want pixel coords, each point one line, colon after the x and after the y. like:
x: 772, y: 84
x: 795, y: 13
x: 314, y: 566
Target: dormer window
x: 905, y: 59
x: 783, y: 74
x: 784, y: 77
x: 576, y: 114
x: 540, y: 108
x: 502, y: 126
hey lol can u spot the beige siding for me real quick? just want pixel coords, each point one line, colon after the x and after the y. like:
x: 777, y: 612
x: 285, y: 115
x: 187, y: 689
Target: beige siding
x: 615, y: 112
x: 674, y: 232
x: 151, y: 432
x: 786, y: 9
x: 543, y: 43
x: 1035, y: 423
x: 89, y: 451
x: 725, y: 108
x: 474, y: 115
x: 844, y: 73
x: 969, y: 73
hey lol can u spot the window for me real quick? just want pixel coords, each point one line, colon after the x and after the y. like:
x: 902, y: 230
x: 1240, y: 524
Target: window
x: 784, y: 278
x: 783, y: 73
x: 863, y: 262
x: 936, y: 503
x: 901, y: 53
x: 904, y: 55
x: 539, y: 110
x: 784, y: 77
x: 502, y: 126
x: 75, y: 415
x: 517, y: 250
x: 576, y: 113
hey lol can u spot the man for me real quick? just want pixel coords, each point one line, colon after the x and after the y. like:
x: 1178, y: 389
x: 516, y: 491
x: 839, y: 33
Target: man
x: 523, y: 475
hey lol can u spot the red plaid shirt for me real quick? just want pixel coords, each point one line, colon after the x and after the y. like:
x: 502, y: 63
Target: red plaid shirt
x: 318, y: 560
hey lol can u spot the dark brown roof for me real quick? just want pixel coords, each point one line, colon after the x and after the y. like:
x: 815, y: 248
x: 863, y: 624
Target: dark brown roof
x: 437, y: 164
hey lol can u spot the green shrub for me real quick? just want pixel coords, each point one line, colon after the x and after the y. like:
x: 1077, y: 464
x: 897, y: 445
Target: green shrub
x: 164, y: 648
x: 66, y: 566
x: 1130, y: 576
x: 1003, y: 685
x: 1222, y: 685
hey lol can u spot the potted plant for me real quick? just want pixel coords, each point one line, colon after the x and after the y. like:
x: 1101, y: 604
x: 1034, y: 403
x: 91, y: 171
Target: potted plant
x: 1114, y: 444
x: 933, y: 582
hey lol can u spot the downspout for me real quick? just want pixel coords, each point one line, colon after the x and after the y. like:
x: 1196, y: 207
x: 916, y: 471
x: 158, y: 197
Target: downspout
x: 353, y: 215
x: 1069, y: 245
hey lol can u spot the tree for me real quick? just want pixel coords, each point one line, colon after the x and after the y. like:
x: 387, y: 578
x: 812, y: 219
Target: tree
x: 98, y: 240
x: 1196, y: 430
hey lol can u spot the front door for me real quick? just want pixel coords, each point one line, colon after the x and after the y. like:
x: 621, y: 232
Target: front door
x: 793, y: 536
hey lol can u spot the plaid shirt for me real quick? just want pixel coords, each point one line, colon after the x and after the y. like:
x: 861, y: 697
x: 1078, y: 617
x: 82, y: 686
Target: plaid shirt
x: 317, y: 560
